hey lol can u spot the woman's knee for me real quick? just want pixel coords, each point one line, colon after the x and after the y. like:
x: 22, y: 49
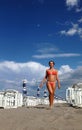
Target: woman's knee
x: 51, y: 92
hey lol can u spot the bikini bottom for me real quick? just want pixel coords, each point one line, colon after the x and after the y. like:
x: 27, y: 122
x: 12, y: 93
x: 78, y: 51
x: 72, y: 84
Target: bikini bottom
x: 51, y: 83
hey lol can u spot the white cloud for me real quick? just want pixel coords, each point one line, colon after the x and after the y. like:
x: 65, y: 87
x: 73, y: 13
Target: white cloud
x: 78, y: 10
x: 12, y: 72
x: 42, y: 56
x: 47, y: 50
x: 52, y: 52
x: 72, y: 3
x: 18, y: 67
x: 74, y: 30
x: 66, y: 73
x: 65, y: 69
x: 70, y: 32
x: 80, y: 20
x: 68, y: 77
x: 34, y: 73
x: 12, y: 66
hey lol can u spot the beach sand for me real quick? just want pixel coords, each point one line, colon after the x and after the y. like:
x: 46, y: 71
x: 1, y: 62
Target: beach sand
x: 61, y: 117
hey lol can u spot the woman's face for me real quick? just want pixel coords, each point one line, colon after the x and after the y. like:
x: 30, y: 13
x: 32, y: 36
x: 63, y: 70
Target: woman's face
x: 51, y: 64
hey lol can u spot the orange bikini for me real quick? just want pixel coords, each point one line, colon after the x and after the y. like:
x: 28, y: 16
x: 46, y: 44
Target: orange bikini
x: 51, y: 73
x: 51, y: 83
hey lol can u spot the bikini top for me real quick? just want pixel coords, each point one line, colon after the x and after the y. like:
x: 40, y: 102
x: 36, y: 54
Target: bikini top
x: 52, y: 73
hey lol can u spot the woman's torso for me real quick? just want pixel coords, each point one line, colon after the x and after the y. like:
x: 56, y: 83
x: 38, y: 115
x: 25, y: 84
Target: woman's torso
x: 51, y: 75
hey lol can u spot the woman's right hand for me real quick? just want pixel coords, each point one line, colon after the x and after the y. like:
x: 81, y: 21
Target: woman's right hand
x: 41, y: 84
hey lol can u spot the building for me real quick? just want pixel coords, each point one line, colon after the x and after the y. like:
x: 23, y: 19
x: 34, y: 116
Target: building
x: 11, y: 99
x: 74, y: 95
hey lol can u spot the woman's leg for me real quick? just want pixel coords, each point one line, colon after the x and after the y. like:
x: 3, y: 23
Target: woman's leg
x: 51, y: 89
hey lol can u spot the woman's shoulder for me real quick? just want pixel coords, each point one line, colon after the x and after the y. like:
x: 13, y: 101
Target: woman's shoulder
x: 47, y: 69
x: 55, y: 70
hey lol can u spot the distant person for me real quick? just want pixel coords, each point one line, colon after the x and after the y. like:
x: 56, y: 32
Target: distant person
x: 50, y: 79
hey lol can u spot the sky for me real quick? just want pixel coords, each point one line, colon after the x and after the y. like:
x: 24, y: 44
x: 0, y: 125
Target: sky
x: 32, y: 32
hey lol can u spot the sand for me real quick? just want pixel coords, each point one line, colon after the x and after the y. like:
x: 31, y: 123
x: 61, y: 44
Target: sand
x: 61, y: 117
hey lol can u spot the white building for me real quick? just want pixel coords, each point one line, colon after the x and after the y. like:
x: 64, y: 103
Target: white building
x: 1, y: 98
x: 11, y: 99
x: 33, y: 101
x: 74, y: 95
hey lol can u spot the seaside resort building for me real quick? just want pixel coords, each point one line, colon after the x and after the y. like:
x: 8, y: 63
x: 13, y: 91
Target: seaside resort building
x: 11, y: 99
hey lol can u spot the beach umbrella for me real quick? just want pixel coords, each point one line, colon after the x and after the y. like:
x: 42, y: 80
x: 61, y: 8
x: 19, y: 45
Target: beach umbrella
x: 45, y: 93
x: 24, y: 91
x: 38, y: 92
x: 24, y: 85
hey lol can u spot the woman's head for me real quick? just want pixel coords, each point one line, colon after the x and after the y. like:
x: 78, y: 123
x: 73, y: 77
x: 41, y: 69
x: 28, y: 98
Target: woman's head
x: 51, y: 62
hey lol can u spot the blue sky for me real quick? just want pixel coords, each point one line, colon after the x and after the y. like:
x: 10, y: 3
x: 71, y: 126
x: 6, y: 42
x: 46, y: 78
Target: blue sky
x: 32, y: 32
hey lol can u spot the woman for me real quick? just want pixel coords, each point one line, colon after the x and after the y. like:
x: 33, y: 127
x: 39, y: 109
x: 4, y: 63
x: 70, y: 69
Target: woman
x: 50, y: 78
